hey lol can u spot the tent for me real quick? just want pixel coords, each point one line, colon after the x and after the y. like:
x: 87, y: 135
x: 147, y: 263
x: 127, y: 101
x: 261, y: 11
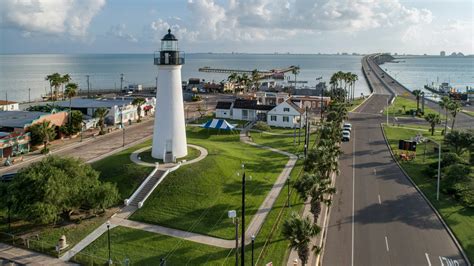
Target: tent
x: 218, y: 124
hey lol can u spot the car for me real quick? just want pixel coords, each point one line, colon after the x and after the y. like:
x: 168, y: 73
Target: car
x: 347, y: 129
x: 7, y: 177
x: 347, y: 126
x: 346, y: 136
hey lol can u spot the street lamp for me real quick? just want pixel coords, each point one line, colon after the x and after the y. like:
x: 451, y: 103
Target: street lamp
x: 122, y: 125
x: 242, y: 245
x: 108, y: 237
x: 233, y: 214
x: 439, y: 168
x: 288, y: 185
x: 253, y: 243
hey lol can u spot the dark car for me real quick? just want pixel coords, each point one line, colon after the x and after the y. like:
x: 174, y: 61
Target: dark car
x: 7, y: 177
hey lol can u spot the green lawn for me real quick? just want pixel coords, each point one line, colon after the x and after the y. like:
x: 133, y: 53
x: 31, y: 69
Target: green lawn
x: 469, y: 113
x: 145, y: 248
x: 146, y: 156
x: 119, y: 170
x: 284, y: 143
x: 354, y: 104
x: 397, y: 107
x: 459, y: 218
x: 197, y: 197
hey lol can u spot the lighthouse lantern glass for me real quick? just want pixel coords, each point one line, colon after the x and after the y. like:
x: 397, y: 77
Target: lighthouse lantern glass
x: 169, y: 45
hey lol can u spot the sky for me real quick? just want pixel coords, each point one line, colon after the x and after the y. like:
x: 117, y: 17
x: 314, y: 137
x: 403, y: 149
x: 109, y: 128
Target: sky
x: 248, y: 26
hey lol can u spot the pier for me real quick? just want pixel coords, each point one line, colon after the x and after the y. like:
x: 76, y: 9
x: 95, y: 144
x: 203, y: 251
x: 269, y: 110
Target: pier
x: 262, y: 74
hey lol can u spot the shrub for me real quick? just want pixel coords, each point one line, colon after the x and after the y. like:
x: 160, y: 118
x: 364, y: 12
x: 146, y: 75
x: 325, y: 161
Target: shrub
x: 260, y: 125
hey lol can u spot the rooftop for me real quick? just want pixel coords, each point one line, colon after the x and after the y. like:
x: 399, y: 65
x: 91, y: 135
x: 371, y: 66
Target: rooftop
x: 96, y: 103
x: 223, y: 105
x: 251, y: 104
x: 18, y: 119
x: 3, y: 102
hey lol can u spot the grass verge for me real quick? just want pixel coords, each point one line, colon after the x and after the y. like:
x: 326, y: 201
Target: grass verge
x: 459, y: 218
x: 402, y: 104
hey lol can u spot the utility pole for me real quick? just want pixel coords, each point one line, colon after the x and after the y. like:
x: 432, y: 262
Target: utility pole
x: 29, y: 95
x: 242, y: 242
x: 88, y: 87
x: 121, y: 82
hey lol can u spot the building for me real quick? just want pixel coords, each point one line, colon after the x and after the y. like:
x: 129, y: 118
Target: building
x: 271, y: 98
x: 120, y: 109
x: 243, y: 109
x: 442, y: 53
x: 169, y: 133
x: 286, y: 114
x: 313, y: 103
x: 20, y: 121
x: 13, y: 144
x: 9, y: 106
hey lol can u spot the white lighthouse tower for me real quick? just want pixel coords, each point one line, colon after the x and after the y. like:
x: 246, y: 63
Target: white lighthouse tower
x: 169, y: 135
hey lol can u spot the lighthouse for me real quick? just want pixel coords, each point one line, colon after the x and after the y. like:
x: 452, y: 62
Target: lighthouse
x: 169, y: 135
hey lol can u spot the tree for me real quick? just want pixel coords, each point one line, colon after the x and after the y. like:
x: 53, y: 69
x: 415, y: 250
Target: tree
x: 461, y: 141
x: 434, y: 120
x: 418, y: 94
x: 138, y: 102
x: 55, y: 80
x: 295, y: 71
x: 56, y: 187
x: 65, y: 79
x: 454, y: 174
x: 444, y: 103
x: 255, y: 79
x: 101, y: 113
x: 454, y: 108
x: 300, y: 231
x: 71, y: 91
x: 42, y: 133
x: 319, y: 194
x: 76, y: 122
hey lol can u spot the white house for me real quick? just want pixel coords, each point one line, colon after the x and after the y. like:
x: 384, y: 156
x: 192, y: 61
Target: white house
x: 9, y: 106
x: 224, y: 109
x: 286, y: 114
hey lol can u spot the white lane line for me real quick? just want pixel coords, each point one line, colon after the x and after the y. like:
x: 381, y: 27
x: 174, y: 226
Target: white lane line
x: 428, y: 259
x: 386, y: 243
x: 353, y: 196
x: 380, y: 202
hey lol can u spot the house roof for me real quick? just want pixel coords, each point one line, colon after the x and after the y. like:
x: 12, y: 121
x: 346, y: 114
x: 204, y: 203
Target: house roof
x: 19, y: 119
x: 3, y: 102
x: 251, y: 104
x: 296, y: 107
x: 95, y: 103
x: 223, y: 105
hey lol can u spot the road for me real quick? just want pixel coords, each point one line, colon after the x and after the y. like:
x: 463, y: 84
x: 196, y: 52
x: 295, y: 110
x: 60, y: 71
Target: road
x: 378, y: 217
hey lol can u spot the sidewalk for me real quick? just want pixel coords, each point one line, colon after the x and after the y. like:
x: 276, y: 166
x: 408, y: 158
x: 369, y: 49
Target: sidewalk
x: 27, y: 257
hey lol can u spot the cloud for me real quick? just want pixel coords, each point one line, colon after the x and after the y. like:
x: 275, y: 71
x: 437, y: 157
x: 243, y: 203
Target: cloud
x: 119, y: 31
x: 260, y: 20
x: 54, y: 17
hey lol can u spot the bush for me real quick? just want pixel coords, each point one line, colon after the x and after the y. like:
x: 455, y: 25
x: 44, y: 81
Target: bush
x: 465, y: 193
x: 260, y: 125
x: 196, y: 98
x: 453, y: 175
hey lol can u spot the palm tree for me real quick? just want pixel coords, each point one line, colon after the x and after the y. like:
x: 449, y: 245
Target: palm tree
x: 138, y: 102
x: 300, y: 231
x: 71, y: 91
x: 434, y: 120
x: 101, y: 113
x: 255, y: 78
x: 319, y: 192
x: 444, y: 103
x: 354, y: 78
x: 55, y: 81
x: 418, y: 94
x: 295, y: 71
x: 65, y: 80
x: 454, y: 108
x: 244, y: 80
x: 46, y: 133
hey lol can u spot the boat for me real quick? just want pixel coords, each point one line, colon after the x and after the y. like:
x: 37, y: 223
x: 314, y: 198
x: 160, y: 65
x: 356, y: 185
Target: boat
x: 443, y: 88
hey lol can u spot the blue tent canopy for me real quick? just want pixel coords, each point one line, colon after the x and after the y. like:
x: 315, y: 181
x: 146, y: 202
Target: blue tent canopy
x: 218, y: 124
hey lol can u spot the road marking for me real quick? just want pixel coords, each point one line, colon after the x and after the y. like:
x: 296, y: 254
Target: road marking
x: 428, y: 259
x: 380, y: 202
x: 386, y: 243
x: 375, y: 171
x: 353, y: 196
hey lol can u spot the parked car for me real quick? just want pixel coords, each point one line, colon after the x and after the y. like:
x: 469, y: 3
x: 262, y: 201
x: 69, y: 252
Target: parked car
x: 347, y: 126
x: 7, y: 177
x: 346, y: 135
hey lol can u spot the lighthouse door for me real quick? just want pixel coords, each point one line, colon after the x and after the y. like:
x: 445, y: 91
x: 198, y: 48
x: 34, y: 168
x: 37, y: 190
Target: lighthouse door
x: 169, y: 146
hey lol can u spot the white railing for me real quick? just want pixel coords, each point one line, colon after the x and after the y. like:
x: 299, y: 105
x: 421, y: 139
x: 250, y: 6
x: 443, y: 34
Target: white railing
x: 127, y: 201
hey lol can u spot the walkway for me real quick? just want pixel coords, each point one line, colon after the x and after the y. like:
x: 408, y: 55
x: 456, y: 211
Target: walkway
x: 134, y: 158
x: 27, y: 257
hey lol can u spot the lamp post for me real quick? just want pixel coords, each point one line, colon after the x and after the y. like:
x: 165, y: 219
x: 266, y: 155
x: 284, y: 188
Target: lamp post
x: 122, y: 125
x: 242, y: 245
x: 439, y: 169
x: 288, y: 185
x: 108, y: 240
x: 253, y: 243
x: 233, y: 214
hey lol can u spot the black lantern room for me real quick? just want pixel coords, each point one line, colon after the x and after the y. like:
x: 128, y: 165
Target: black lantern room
x: 169, y: 53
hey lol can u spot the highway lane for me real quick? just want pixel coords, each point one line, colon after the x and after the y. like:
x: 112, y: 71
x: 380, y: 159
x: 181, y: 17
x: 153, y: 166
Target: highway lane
x: 377, y: 216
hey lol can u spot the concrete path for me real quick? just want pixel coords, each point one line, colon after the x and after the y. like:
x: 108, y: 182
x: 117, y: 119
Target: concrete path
x: 27, y: 257
x: 134, y: 158
x: 86, y: 241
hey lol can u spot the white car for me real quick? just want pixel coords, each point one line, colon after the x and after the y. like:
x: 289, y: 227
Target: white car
x: 346, y: 135
x: 347, y: 127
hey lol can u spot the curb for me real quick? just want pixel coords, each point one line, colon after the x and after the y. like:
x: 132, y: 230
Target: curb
x: 453, y: 237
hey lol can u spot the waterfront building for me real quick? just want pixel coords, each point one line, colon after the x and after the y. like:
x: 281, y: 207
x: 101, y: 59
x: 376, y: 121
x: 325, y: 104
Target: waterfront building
x: 13, y: 144
x: 442, y: 53
x: 243, y: 109
x: 8, y: 106
x: 169, y: 135
x: 20, y: 121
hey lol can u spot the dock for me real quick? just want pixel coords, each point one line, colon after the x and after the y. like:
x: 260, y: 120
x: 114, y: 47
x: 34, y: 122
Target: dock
x: 262, y: 74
